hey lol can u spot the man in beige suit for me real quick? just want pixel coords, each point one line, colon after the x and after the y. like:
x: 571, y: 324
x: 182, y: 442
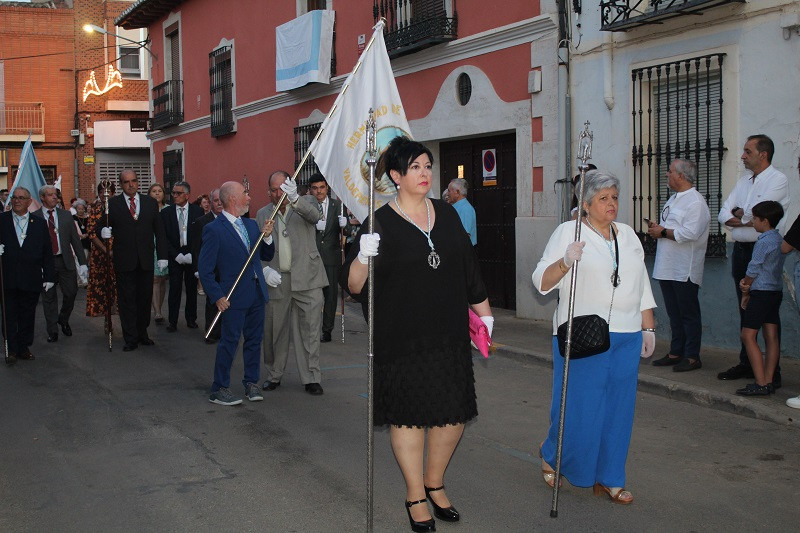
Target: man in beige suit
x: 295, y: 277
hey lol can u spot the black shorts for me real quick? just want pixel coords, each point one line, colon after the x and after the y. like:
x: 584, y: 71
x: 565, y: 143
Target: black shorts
x: 762, y: 308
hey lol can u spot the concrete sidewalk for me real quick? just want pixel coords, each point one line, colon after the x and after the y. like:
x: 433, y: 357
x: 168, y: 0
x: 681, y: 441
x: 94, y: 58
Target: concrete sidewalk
x: 515, y: 337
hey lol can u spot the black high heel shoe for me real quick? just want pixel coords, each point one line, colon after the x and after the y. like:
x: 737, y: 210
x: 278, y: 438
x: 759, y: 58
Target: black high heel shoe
x: 419, y: 527
x: 448, y: 514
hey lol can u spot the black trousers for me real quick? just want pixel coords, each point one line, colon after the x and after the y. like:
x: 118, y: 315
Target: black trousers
x: 330, y: 293
x: 134, y: 297
x: 742, y: 254
x: 181, y: 276
x: 20, y: 316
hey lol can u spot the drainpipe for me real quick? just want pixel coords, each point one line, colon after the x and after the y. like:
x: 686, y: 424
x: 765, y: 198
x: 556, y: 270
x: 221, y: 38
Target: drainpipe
x: 564, y: 98
x: 608, y: 69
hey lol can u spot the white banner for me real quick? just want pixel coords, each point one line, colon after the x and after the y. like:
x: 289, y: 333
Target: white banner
x: 339, y: 151
x: 303, y: 50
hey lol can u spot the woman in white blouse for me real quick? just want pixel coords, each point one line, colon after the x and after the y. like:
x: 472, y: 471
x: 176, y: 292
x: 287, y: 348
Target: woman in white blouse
x: 602, y: 388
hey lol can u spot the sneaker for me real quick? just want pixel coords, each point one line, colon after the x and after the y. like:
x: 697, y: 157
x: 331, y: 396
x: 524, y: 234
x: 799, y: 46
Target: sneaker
x: 754, y: 389
x: 793, y: 402
x: 252, y: 392
x: 224, y: 397
x: 736, y: 372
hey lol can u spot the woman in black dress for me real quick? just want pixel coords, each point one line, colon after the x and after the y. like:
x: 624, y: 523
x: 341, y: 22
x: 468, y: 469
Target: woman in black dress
x: 426, y: 277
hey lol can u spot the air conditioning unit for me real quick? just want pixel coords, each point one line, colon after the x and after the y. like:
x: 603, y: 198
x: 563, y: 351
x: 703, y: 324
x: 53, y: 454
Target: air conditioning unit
x: 74, y: 133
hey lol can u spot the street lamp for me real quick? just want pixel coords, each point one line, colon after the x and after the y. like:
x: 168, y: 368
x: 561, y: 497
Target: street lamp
x: 91, y: 28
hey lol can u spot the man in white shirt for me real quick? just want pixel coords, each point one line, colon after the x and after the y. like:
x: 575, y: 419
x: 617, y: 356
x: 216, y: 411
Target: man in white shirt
x: 764, y: 183
x: 682, y: 234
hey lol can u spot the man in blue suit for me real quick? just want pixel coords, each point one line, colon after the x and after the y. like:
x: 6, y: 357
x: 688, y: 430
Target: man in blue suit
x: 227, y: 242
x: 28, y: 269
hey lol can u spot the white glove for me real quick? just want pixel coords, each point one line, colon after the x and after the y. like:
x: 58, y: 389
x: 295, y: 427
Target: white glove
x: 162, y: 264
x: 179, y: 259
x: 47, y: 285
x: 290, y: 188
x: 105, y: 233
x: 369, y: 247
x: 648, y: 343
x: 2, y: 248
x: 320, y: 225
x: 272, y: 276
x: 83, y: 271
x: 197, y: 275
x: 187, y: 259
x: 342, y: 221
x: 489, y: 321
x: 573, y: 253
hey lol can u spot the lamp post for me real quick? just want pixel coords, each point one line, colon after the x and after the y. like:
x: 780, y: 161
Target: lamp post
x: 91, y: 28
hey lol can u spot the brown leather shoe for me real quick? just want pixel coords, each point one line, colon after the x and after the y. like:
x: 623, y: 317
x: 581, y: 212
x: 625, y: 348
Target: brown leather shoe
x: 26, y: 355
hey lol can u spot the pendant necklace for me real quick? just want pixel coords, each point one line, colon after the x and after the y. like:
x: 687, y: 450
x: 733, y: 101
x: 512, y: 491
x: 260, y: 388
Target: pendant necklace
x: 610, y: 245
x: 433, y: 258
x: 22, y: 231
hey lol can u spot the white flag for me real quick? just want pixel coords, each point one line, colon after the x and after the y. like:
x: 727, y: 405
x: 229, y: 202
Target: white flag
x: 340, y: 149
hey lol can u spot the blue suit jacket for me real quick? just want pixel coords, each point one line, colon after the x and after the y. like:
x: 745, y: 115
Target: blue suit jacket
x: 224, y: 251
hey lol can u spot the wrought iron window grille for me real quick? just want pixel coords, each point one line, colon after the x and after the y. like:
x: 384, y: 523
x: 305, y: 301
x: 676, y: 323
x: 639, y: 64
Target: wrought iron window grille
x: 413, y: 25
x: 221, y: 78
x: 623, y: 15
x: 677, y: 113
x: 173, y: 169
x: 303, y: 135
x: 168, y: 104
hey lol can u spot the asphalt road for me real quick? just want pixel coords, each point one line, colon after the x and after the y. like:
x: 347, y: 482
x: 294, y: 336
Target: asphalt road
x: 111, y: 441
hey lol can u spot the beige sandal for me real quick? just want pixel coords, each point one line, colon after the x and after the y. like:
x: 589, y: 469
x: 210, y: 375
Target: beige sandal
x: 548, y: 474
x: 617, y: 494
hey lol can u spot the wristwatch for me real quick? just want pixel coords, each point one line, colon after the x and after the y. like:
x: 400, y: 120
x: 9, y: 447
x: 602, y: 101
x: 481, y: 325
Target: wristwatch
x: 664, y: 233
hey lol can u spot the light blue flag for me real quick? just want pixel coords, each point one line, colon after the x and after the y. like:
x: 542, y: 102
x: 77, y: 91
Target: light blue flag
x: 29, y: 175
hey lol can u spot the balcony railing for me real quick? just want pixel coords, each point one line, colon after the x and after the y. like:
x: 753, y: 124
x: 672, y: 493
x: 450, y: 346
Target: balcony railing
x: 167, y: 104
x: 623, y: 15
x: 412, y: 25
x: 19, y: 119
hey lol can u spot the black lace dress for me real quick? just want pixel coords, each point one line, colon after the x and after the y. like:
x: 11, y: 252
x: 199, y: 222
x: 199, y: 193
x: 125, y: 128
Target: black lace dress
x: 423, y: 361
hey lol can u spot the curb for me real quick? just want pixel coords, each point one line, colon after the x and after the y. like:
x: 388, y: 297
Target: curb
x: 675, y: 390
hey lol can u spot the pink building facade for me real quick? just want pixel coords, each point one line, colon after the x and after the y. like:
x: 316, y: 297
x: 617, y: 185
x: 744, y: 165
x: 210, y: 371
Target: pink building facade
x: 479, y: 84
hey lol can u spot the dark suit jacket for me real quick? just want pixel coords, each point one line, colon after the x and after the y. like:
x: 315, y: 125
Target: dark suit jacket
x: 329, y: 241
x: 224, y: 251
x: 68, y: 237
x: 196, y: 230
x: 26, y: 267
x: 169, y: 216
x: 133, y: 239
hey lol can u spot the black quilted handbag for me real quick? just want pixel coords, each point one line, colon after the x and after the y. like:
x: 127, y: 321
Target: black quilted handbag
x: 589, y: 336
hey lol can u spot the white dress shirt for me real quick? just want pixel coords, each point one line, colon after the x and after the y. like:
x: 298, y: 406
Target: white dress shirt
x: 21, y: 226
x: 182, y: 228
x: 686, y: 214
x: 594, y: 288
x: 45, y: 212
x: 771, y: 184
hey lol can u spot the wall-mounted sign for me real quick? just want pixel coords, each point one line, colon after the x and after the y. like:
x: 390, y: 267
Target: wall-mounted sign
x: 489, y: 158
x: 141, y: 124
x: 88, y: 160
x: 113, y: 79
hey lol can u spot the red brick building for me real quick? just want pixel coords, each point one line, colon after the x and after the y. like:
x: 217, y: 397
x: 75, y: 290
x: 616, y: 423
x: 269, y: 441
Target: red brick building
x: 46, y: 60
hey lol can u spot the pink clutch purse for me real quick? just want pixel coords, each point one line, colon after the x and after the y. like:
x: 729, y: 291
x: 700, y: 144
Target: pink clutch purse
x: 479, y: 334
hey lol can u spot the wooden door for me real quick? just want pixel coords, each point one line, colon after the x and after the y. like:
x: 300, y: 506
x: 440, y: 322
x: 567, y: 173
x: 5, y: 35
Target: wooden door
x: 495, y: 208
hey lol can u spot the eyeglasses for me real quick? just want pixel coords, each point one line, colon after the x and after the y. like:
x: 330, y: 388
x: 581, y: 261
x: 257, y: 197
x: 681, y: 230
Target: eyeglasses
x: 177, y: 193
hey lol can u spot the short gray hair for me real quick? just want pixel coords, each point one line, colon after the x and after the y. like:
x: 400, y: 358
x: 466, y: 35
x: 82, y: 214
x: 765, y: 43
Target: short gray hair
x: 183, y: 184
x: 596, y: 181
x: 460, y: 185
x: 44, y: 189
x: 687, y: 168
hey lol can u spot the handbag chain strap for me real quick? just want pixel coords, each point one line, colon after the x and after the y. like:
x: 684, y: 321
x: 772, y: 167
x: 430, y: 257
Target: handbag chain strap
x: 615, y: 281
